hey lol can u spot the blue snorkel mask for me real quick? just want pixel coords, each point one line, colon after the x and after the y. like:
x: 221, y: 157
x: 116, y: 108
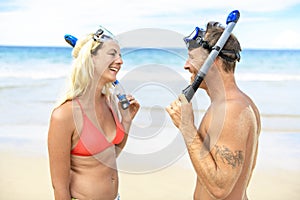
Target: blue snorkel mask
x: 196, y: 40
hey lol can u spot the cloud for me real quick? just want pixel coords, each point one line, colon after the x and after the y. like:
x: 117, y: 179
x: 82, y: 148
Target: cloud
x: 36, y: 22
x: 287, y: 39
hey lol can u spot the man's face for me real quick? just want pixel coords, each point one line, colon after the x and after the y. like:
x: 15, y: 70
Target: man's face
x: 196, y: 58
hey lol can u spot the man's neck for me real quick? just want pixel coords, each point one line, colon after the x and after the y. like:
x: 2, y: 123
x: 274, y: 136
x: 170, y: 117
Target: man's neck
x: 223, y: 88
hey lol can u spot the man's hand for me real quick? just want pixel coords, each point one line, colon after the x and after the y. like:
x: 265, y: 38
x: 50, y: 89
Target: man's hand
x: 181, y: 113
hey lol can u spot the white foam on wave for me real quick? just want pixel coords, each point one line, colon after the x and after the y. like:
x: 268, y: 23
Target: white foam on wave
x: 50, y: 71
x: 240, y: 76
x: 267, y: 77
x: 33, y: 75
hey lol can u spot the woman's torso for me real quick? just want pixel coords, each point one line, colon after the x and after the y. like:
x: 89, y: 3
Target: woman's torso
x: 94, y: 177
x: 93, y: 168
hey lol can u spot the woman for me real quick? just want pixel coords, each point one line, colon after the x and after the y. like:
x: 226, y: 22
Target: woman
x: 85, y: 134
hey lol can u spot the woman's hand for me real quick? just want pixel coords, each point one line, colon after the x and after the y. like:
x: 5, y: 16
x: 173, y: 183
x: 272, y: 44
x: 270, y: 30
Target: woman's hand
x: 131, y: 111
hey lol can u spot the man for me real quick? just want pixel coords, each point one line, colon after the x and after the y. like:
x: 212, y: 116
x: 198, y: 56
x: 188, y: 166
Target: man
x: 223, y: 149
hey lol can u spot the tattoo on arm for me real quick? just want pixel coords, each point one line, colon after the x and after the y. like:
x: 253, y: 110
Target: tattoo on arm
x: 229, y: 157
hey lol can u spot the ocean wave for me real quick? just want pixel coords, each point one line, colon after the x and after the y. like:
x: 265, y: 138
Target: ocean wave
x: 34, y: 70
x: 241, y: 76
x: 267, y: 77
x: 34, y: 74
x: 294, y: 116
x: 62, y: 71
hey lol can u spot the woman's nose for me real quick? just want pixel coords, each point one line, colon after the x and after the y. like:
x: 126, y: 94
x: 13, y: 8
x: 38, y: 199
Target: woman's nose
x: 119, y: 60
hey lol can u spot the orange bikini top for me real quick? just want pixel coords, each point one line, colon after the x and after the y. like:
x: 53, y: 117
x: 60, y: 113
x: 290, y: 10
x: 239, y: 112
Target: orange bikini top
x: 92, y: 140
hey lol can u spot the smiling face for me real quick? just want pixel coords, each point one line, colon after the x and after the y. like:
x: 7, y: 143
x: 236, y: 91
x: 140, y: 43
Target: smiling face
x: 196, y: 58
x: 107, y: 61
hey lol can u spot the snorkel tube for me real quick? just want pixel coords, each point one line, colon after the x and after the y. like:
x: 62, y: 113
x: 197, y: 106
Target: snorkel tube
x: 70, y: 39
x: 232, y: 19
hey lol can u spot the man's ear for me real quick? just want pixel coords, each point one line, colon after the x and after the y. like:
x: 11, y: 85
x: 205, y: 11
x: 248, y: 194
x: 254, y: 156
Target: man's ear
x: 218, y: 63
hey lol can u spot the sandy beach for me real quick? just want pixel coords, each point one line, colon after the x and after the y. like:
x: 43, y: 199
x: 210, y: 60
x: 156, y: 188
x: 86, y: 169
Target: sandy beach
x: 29, y: 89
x: 26, y: 176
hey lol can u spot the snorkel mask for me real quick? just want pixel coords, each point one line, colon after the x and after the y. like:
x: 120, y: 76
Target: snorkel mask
x: 101, y: 35
x: 196, y: 40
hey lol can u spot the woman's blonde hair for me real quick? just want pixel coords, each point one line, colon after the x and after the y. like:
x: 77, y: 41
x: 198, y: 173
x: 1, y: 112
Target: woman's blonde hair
x: 83, y: 69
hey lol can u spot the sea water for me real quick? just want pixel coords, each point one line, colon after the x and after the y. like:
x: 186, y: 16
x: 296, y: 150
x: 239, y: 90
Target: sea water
x: 32, y: 79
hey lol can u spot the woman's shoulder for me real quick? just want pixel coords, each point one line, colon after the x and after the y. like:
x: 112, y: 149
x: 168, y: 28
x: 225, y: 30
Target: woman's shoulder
x: 63, y: 112
x: 62, y: 126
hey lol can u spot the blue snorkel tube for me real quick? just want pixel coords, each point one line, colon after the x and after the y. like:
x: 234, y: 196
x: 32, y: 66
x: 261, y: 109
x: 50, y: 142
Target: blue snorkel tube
x: 70, y: 39
x: 232, y: 19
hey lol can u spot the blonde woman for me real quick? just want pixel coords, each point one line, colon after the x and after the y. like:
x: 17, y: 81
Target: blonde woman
x: 85, y: 134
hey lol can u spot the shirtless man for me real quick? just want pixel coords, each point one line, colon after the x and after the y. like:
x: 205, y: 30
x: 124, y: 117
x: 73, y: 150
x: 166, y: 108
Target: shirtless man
x: 223, y: 149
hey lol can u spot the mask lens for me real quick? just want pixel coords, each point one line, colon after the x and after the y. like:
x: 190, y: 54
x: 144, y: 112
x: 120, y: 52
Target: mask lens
x: 192, y: 36
x: 106, y: 32
x: 102, y: 34
x: 195, y: 39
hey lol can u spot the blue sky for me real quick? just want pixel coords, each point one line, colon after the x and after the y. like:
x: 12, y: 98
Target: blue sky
x: 270, y: 24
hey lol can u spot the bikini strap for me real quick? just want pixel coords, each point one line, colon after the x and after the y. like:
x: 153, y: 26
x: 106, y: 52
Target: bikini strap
x: 77, y: 100
x: 116, y: 118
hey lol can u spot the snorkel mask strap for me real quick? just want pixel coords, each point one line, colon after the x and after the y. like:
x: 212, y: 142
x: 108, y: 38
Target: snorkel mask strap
x: 229, y: 59
x: 223, y: 53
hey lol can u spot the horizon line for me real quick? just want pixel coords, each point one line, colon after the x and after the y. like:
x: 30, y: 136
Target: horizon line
x: 169, y: 47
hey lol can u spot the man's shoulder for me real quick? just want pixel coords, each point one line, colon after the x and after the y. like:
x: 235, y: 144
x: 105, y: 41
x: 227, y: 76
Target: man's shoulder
x: 237, y: 103
x: 228, y: 105
x: 233, y: 109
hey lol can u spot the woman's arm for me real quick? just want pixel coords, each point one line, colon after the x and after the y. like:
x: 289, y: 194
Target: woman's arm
x: 127, y: 117
x: 60, y: 133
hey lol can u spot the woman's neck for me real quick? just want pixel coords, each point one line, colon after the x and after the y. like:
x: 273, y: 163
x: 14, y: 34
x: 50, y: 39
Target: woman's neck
x: 93, y: 94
